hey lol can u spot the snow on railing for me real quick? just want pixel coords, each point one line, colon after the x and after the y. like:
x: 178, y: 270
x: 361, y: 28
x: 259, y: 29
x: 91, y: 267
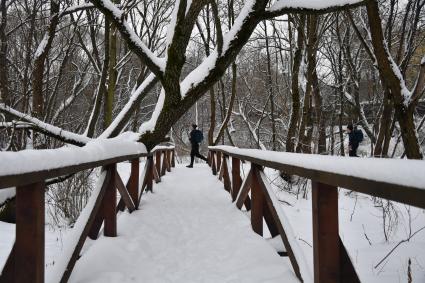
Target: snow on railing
x: 29, y: 169
x: 31, y: 161
x: 398, y: 180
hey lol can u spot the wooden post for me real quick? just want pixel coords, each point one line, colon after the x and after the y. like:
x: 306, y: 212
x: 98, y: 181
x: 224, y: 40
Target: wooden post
x: 164, y: 163
x: 257, y: 202
x: 173, y: 158
x: 326, y: 249
x: 133, y: 182
x: 168, y: 160
x: 213, y: 163
x: 236, y: 177
x: 149, y: 176
x: 109, y: 202
x: 226, y: 177
x: 158, y: 161
x: 218, y: 160
x: 29, y: 242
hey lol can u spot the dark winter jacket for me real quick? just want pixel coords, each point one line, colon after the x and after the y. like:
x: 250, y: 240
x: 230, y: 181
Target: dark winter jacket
x: 355, y: 138
x: 193, y: 135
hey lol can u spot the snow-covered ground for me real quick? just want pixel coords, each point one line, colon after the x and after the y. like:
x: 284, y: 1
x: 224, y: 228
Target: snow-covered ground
x: 361, y: 230
x: 186, y: 231
x: 189, y: 231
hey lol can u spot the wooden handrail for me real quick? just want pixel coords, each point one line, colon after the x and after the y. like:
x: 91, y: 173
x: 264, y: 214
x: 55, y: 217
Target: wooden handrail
x: 331, y: 260
x: 407, y: 194
x: 25, y: 178
x: 28, y: 249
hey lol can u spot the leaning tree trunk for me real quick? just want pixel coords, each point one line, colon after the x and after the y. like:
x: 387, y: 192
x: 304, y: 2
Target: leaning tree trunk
x: 404, y: 112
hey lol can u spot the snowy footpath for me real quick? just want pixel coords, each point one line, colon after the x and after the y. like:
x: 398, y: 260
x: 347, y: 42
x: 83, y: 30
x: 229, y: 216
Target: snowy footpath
x: 187, y: 230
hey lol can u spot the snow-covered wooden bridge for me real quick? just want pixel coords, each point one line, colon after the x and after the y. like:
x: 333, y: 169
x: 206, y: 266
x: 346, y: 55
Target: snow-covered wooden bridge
x: 190, y: 229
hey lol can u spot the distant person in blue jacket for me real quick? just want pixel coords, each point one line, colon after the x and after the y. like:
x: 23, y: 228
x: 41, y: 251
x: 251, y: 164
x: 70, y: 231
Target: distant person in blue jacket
x: 196, y: 137
x: 355, y: 137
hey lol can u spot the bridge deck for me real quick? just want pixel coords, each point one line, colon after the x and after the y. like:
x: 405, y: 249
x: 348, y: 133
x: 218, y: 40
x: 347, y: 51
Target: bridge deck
x: 186, y: 231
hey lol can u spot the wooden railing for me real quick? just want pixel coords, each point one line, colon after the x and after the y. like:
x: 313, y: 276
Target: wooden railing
x: 370, y: 176
x: 26, y: 260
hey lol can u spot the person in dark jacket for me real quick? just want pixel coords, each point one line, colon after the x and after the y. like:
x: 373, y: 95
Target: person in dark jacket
x: 195, y: 139
x: 355, y: 137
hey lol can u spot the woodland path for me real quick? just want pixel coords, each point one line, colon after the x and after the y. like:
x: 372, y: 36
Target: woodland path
x: 187, y: 230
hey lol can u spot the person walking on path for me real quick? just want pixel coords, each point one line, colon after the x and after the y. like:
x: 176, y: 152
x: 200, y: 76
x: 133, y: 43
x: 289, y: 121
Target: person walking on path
x: 196, y: 137
x: 355, y: 137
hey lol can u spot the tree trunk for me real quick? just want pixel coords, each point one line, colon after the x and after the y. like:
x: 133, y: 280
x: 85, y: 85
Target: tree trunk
x: 404, y: 113
x: 112, y: 82
x: 4, y: 82
x: 40, y: 59
x: 295, y: 113
x: 270, y: 87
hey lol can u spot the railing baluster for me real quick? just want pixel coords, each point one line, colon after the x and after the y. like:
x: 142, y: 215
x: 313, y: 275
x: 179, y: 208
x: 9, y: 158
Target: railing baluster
x: 158, y: 161
x: 226, y: 177
x: 168, y: 152
x: 173, y: 158
x: 133, y: 181
x: 326, y: 249
x: 236, y: 177
x: 150, y: 173
x: 213, y: 163
x: 218, y: 160
x: 109, y: 203
x: 29, y: 242
x: 257, y: 202
x: 164, y: 163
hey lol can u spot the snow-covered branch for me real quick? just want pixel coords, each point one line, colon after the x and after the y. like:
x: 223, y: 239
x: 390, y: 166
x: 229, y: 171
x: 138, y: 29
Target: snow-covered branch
x: 154, y: 63
x: 281, y: 7
x: 136, y: 97
x: 46, y: 128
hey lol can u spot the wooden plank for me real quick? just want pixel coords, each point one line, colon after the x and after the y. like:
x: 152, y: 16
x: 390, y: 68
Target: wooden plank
x: 8, y: 273
x: 221, y: 172
x: 270, y: 221
x: 39, y: 176
x: 125, y: 196
x: 109, y: 203
x: 29, y: 242
x: 164, y: 163
x: 262, y: 180
x: 218, y: 153
x: 121, y: 205
x: 247, y: 203
x: 149, y: 167
x: 326, y: 248
x: 149, y: 174
x: 97, y: 224
x: 168, y: 154
x: 347, y: 271
x: 226, y: 177
x: 143, y: 177
x: 96, y: 210
x: 133, y: 181
x: 213, y: 163
x: 173, y: 158
x: 236, y: 177
x: 400, y: 193
x: 156, y: 176
x: 158, y: 161
x: 258, y: 203
x: 245, y: 188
